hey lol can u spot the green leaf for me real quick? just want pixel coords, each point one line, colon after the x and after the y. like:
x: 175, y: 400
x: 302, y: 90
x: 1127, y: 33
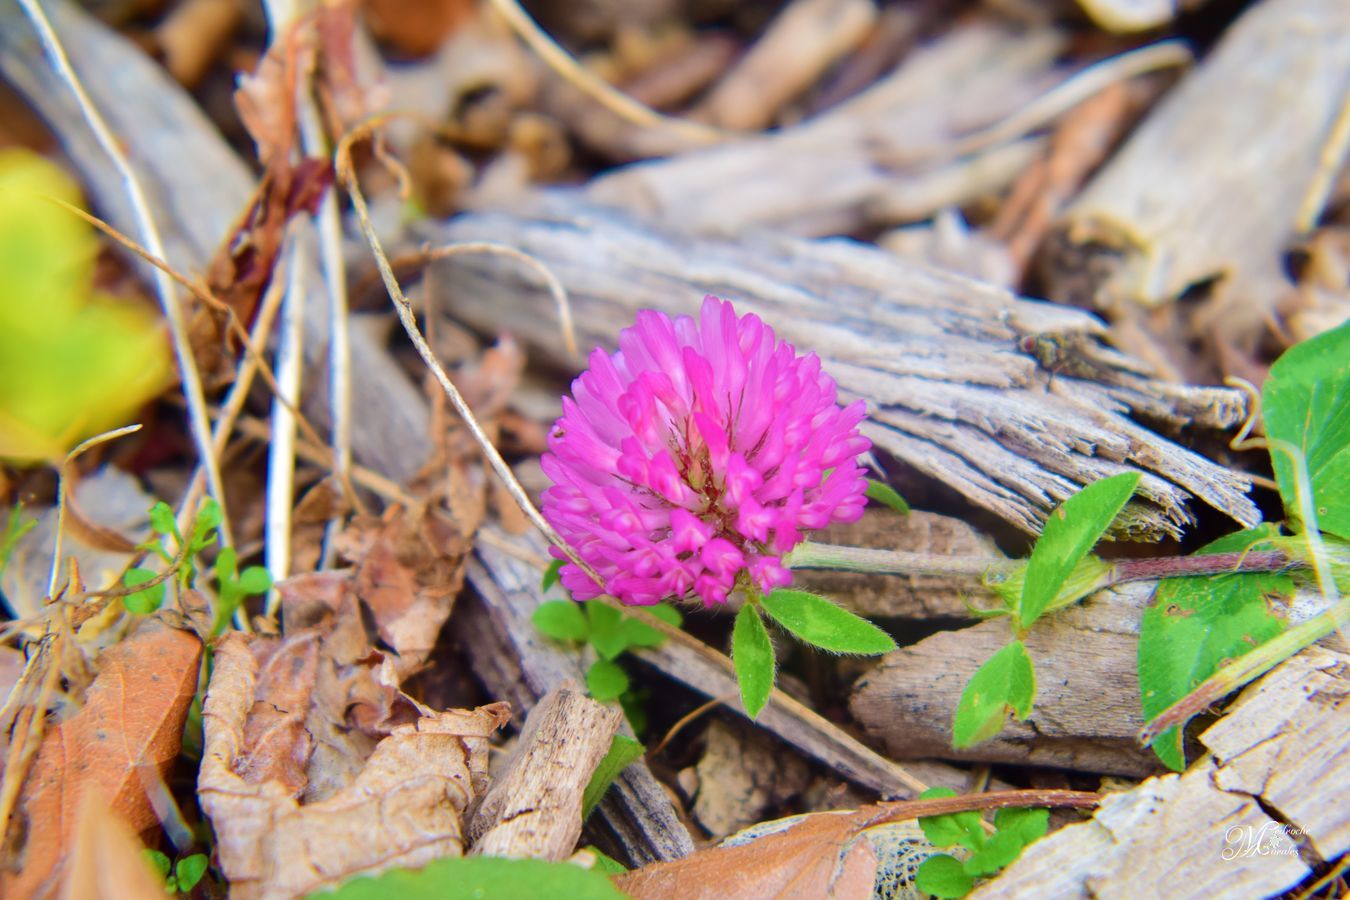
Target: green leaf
x: 948, y: 830
x: 561, y: 620
x: 606, y: 680
x: 1006, y: 682
x: 606, y: 630
x: 634, y: 711
x: 551, y: 575
x: 943, y: 876
x: 752, y: 652
x: 1029, y: 823
x: 1306, y: 402
x: 623, y: 750
x: 639, y: 634
x: 15, y: 529
x: 158, y: 861
x: 1195, y: 625
x: 143, y: 602
x: 667, y: 613
x: 1070, y: 532
x: 209, y: 518
x: 162, y: 520
x: 605, y: 863
x: 227, y: 564
x: 882, y: 492
x: 999, y: 850
x: 818, y: 621
x: 476, y: 877
x: 255, y: 580
x: 190, y: 870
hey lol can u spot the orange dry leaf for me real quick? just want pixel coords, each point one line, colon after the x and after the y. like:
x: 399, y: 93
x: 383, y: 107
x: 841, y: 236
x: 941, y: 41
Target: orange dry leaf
x: 126, y: 735
x: 804, y: 860
x: 403, y: 809
x: 106, y: 862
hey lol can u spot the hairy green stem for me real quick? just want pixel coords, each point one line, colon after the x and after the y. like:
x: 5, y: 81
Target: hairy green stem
x: 810, y: 555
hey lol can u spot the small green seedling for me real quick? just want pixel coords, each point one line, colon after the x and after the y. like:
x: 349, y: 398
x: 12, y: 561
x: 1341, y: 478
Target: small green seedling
x: 984, y: 855
x: 610, y: 631
x: 185, y: 873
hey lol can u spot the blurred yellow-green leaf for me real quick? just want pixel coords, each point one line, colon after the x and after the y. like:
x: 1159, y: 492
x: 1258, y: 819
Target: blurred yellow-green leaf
x: 72, y: 362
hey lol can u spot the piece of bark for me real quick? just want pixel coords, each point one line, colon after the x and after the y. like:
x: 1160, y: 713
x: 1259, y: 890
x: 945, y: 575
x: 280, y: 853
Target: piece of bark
x: 518, y: 663
x: 936, y: 356
x: 904, y: 596
x: 533, y: 810
x: 1282, y: 750
x: 1087, y: 700
x: 803, y: 40
x: 820, y: 177
x: 114, y: 745
x: 403, y: 809
x: 1214, y: 183
x: 197, y: 187
x: 741, y: 777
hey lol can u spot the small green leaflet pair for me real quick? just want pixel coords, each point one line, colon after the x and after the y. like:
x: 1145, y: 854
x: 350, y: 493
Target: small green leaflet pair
x: 1058, y: 573
x: 943, y: 875
x: 180, y: 877
x: 812, y: 619
x: 605, y: 628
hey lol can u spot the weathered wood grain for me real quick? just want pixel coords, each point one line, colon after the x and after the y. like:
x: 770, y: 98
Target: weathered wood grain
x: 839, y: 171
x: 1282, y: 750
x: 936, y: 356
x: 533, y: 809
x: 1087, y: 702
x: 1213, y: 183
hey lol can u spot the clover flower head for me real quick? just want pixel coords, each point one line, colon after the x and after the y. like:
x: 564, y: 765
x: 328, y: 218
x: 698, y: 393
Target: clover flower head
x: 697, y: 454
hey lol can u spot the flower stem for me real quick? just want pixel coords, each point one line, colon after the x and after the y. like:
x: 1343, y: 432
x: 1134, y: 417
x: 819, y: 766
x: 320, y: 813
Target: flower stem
x: 810, y: 555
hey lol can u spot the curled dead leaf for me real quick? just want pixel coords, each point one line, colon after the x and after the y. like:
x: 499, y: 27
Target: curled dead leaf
x: 403, y: 808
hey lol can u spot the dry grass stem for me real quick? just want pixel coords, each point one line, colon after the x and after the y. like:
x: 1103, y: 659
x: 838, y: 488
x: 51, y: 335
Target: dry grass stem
x: 617, y: 102
x: 1065, y: 96
x: 346, y: 173
x: 199, y: 422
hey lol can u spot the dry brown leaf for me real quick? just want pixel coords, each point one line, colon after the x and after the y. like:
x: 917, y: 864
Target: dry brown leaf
x: 106, y: 862
x: 410, y: 566
x: 804, y: 860
x: 277, y: 746
x: 128, y: 733
x: 404, y: 808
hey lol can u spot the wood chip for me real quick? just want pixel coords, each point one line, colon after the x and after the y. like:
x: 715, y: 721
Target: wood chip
x: 533, y: 810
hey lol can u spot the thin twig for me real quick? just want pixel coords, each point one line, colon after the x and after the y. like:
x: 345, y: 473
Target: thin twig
x: 941, y: 806
x: 612, y: 99
x: 1065, y: 96
x: 281, y: 449
x: 347, y: 175
x: 555, y: 286
x: 199, y: 422
x: 63, y: 488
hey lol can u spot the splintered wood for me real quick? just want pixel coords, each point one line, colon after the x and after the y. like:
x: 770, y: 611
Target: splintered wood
x: 937, y: 357
x: 533, y: 810
x: 1282, y: 750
